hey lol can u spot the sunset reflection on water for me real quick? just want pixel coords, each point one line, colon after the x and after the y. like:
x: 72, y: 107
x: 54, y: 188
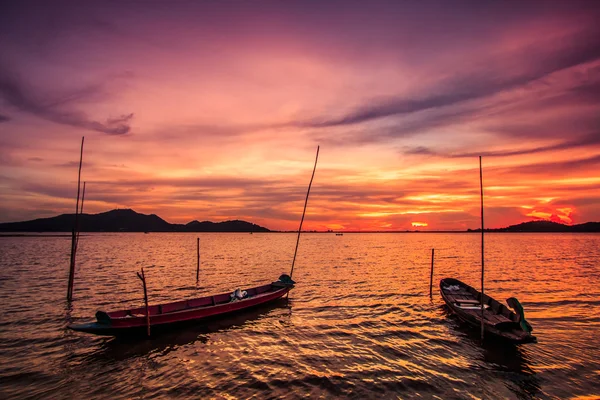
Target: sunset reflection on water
x: 359, y: 323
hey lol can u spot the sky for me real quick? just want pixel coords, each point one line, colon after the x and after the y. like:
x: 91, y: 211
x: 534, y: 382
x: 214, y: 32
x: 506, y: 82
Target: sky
x: 214, y: 110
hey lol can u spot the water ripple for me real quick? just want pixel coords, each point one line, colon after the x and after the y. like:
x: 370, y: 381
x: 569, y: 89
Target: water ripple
x: 359, y: 324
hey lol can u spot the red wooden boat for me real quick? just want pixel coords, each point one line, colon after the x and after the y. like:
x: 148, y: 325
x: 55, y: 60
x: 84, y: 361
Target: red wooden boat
x: 133, y: 321
x: 147, y: 318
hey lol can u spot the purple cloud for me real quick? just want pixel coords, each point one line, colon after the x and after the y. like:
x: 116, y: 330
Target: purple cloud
x: 55, y: 108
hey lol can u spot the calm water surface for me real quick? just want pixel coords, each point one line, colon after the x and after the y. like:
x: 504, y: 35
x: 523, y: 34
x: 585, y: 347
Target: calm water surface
x: 359, y: 324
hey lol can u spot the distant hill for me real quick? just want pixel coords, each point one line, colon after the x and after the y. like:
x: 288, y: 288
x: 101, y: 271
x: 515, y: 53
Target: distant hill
x: 125, y: 220
x: 546, y: 226
x: 225, y: 226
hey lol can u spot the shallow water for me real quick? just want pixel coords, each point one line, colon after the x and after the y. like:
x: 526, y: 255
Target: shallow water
x: 359, y: 324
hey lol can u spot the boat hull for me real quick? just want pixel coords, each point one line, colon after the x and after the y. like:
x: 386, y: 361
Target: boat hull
x: 167, y: 316
x: 499, y: 321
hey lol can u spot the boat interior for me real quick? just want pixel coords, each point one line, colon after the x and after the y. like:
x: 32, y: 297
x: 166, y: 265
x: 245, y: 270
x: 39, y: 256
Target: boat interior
x: 200, y: 302
x: 468, y: 299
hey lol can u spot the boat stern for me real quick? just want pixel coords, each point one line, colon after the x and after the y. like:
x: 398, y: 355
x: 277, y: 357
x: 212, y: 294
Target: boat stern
x: 284, y: 281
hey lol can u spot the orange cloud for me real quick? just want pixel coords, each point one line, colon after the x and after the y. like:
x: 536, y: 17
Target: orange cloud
x: 229, y: 130
x: 560, y: 215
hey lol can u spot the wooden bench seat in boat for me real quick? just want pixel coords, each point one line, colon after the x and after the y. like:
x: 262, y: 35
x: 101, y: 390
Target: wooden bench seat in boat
x: 471, y: 306
x: 467, y: 301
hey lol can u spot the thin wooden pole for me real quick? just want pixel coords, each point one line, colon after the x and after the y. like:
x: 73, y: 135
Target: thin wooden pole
x: 482, y: 243
x: 198, y: 259
x: 80, y: 212
x: 143, y: 279
x: 431, y: 275
x: 304, y: 211
x: 74, y: 234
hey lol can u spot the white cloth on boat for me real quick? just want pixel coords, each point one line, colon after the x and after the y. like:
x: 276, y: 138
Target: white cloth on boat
x: 452, y: 288
x: 471, y: 306
x: 238, y: 294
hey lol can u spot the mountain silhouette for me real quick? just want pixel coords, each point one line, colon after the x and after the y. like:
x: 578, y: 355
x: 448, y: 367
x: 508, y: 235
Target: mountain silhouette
x: 546, y: 226
x: 125, y: 220
x: 225, y: 226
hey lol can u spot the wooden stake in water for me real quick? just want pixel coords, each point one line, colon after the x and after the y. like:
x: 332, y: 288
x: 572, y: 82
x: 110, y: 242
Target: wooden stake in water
x: 198, y: 259
x: 482, y: 253
x: 143, y: 279
x: 304, y: 212
x: 431, y: 275
x: 75, y: 228
x: 80, y: 212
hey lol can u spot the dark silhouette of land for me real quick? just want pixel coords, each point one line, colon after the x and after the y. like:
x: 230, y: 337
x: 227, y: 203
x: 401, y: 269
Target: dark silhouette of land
x: 125, y: 220
x: 546, y: 226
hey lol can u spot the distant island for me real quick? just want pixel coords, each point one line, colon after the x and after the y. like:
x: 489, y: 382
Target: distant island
x: 125, y: 220
x: 545, y: 226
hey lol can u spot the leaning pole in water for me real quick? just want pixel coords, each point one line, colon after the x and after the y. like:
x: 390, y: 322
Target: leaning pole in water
x: 75, y: 232
x: 142, y: 277
x: 304, y: 211
x: 80, y: 213
x: 482, y: 253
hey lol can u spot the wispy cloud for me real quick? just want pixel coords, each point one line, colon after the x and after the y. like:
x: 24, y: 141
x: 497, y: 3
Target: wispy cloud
x: 558, y: 168
x: 489, y: 79
x: 58, y: 107
x: 229, y: 103
x: 585, y: 141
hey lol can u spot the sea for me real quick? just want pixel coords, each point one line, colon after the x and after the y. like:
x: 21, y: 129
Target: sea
x: 360, y: 322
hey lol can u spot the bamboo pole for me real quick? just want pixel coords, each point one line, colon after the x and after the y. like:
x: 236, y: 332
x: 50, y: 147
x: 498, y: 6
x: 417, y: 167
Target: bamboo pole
x: 431, y: 275
x: 197, y: 259
x: 74, y: 234
x: 143, y: 279
x: 304, y: 211
x: 482, y: 243
x: 80, y: 212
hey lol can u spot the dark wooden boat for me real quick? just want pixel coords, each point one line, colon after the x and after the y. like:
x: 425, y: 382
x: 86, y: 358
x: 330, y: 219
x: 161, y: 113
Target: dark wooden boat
x: 499, y: 320
x: 133, y: 321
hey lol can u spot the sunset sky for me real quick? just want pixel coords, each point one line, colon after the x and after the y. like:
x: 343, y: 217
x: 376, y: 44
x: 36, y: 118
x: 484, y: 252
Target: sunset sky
x: 214, y: 110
